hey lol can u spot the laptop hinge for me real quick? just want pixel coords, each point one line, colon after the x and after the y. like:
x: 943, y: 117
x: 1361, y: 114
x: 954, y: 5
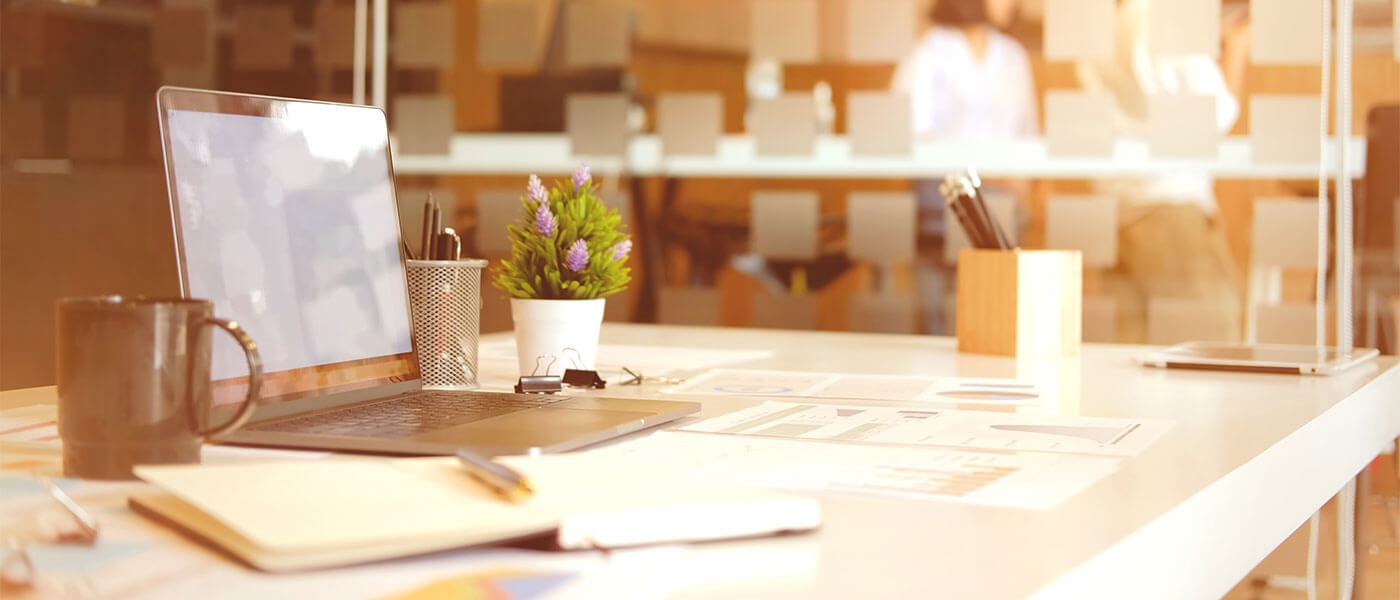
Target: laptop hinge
x: 304, y: 405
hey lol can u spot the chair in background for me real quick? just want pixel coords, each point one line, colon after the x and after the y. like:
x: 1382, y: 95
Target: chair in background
x: 784, y: 226
x: 880, y: 231
x: 703, y: 238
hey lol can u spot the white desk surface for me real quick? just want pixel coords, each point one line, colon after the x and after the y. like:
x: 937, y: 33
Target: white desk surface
x: 546, y: 153
x: 1249, y: 459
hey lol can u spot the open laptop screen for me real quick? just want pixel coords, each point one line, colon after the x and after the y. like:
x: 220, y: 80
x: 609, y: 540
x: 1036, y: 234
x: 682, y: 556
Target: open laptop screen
x: 285, y: 218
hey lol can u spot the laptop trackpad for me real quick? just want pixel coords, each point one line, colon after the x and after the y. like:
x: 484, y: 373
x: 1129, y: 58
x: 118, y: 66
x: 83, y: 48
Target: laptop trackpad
x: 539, y: 427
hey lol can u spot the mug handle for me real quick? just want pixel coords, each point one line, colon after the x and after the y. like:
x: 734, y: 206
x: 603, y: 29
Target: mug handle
x: 255, y: 377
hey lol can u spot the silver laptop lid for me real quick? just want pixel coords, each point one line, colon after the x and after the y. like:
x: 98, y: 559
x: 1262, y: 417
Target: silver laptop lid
x: 285, y: 217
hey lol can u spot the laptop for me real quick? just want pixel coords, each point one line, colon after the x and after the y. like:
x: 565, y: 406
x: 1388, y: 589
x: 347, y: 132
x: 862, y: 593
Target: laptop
x: 285, y: 217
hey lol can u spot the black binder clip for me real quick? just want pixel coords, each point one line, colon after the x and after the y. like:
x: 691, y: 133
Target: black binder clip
x: 534, y: 383
x: 581, y: 377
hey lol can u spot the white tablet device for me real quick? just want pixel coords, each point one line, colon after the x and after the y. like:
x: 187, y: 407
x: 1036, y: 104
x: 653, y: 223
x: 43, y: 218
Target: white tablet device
x: 1258, y: 358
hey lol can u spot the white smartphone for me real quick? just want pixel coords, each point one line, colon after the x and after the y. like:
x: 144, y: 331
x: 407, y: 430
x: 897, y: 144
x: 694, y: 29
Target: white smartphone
x: 1257, y: 358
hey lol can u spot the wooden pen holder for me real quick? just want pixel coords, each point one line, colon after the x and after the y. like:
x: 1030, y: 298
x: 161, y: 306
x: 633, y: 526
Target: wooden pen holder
x: 1024, y: 303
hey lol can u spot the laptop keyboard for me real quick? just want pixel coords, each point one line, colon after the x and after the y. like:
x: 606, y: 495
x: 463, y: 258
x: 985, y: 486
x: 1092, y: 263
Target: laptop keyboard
x: 409, y: 415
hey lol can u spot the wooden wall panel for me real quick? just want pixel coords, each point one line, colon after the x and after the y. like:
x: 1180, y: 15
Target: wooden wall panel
x: 94, y: 233
x: 662, y: 70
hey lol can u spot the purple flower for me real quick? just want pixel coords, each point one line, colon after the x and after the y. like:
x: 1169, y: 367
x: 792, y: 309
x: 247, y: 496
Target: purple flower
x: 581, y: 176
x: 577, y: 258
x: 621, y: 249
x: 536, y: 190
x: 545, y: 224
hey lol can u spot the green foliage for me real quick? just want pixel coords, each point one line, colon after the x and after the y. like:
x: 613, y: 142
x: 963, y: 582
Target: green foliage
x: 537, y: 266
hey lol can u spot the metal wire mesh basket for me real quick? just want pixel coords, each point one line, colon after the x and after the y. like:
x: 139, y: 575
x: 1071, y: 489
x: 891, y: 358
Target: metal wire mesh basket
x: 445, y: 298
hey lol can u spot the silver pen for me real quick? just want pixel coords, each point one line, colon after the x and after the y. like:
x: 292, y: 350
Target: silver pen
x: 504, y: 481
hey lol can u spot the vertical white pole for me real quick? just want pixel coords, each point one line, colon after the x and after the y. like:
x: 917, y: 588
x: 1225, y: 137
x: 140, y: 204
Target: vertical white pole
x: 380, y: 81
x: 1346, y: 501
x: 1344, y: 205
x: 361, y: 51
x: 1320, y: 315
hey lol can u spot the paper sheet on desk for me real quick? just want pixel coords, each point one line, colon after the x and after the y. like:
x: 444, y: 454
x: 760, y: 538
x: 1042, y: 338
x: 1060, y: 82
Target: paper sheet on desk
x: 917, y: 426
x: 846, y: 386
x: 648, y: 360
x: 30, y: 443
x: 1013, y: 480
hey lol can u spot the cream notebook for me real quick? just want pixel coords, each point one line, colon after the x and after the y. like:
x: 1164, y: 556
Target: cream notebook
x: 295, y: 515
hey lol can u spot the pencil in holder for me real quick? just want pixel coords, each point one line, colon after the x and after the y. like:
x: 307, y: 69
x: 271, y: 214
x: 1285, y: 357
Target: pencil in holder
x: 1023, y: 303
x: 445, y: 299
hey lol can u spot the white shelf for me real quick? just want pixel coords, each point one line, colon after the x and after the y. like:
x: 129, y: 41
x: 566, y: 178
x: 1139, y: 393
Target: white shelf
x: 524, y: 153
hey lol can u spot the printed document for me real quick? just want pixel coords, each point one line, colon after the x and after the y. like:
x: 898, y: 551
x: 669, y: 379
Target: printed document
x: 1030, y: 480
x: 902, y: 388
x: 917, y: 426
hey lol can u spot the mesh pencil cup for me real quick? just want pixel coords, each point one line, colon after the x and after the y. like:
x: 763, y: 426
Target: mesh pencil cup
x: 445, y: 299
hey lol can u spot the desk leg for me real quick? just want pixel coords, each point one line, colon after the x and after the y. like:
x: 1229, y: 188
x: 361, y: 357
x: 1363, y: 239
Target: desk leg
x: 1348, y: 537
x: 1363, y: 494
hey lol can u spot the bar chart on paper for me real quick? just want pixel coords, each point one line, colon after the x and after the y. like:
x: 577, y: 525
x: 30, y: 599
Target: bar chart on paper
x: 952, y: 481
x: 930, y: 427
x: 1012, y: 480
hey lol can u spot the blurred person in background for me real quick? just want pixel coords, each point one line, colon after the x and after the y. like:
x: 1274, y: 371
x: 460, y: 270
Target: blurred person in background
x: 966, y: 81
x: 1171, y: 243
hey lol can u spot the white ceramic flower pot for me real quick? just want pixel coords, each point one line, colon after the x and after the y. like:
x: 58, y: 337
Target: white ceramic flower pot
x: 562, y: 329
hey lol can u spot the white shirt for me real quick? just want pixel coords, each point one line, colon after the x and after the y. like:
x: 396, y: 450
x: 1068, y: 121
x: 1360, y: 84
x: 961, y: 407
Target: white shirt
x: 956, y: 95
x: 1133, y: 77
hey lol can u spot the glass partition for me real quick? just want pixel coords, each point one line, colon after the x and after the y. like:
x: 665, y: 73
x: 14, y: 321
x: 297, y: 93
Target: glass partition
x: 777, y: 161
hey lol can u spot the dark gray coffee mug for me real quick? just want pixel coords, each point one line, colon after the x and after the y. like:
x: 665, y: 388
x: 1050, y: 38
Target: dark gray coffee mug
x: 133, y: 382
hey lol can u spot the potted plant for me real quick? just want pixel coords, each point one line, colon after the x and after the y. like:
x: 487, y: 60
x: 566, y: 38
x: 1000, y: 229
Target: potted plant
x: 568, y: 254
